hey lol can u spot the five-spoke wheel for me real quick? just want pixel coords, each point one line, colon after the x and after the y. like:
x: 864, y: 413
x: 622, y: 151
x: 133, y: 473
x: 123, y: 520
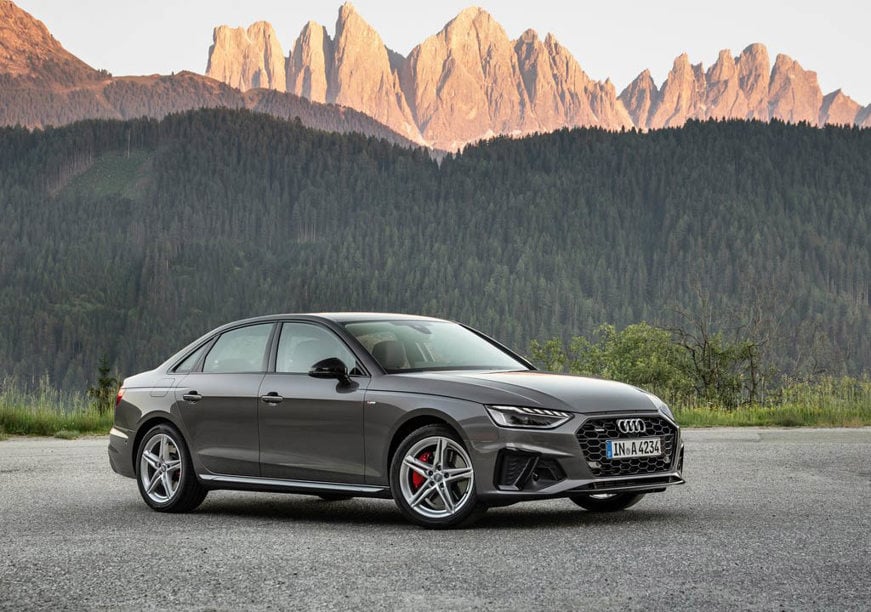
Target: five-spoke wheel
x: 165, y: 474
x: 432, y: 479
x: 160, y: 468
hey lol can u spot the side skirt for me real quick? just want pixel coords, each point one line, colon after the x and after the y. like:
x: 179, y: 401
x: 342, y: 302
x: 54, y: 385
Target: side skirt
x: 277, y: 485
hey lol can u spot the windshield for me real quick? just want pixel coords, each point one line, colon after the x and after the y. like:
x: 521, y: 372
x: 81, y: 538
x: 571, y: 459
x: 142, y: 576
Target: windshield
x: 415, y: 346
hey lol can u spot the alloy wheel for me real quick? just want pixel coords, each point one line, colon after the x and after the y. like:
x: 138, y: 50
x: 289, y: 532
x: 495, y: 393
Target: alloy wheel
x: 436, y: 477
x: 160, y: 468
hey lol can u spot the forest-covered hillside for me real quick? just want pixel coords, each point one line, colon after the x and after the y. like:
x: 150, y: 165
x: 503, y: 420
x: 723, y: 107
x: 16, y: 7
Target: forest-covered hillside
x: 129, y: 239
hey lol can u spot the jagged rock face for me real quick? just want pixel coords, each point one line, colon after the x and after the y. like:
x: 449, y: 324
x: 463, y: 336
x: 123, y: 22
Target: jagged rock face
x: 362, y: 77
x: 540, y: 81
x: 681, y: 97
x: 609, y: 110
x: 248, y: 59
x: 559, y: 92
x: 724, y: 98
x: 30, y: 54
x: 310, y: 65
x: 586, y: 102
x: 754, y: 77
x: 470, y: 81
x: 467, y: 82
x: 794, y: 94
x: 639, y: 97
x: 464, y: 83
x: 839, y: 109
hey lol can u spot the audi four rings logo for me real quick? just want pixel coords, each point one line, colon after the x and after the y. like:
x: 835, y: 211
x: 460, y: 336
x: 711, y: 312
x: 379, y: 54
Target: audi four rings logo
x: 631, y: 426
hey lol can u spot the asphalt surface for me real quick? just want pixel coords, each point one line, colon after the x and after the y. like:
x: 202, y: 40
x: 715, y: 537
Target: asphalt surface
x: 770, y: 519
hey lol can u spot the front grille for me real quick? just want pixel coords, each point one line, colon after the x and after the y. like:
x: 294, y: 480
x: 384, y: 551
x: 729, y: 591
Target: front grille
x: 593, y: 433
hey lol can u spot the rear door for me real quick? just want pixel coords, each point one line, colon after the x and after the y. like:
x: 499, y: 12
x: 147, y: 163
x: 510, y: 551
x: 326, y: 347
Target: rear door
x: 311, y: 429
x: 218, y: 403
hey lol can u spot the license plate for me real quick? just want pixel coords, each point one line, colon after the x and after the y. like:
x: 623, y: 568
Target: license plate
x: 637, y: 447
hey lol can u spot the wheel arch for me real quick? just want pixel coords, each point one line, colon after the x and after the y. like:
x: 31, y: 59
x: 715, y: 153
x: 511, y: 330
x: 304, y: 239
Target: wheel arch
x: 416, y: 422
x: 151, y: 420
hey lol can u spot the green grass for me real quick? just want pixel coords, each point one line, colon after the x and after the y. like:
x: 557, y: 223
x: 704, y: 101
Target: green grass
x: 27, y: 421
x: 66, y: 434
x: 48, y: 412
x: 775, y: 416
x: 829, y: 402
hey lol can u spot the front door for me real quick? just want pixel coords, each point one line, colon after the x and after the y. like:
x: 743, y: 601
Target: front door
x: 310, y: 428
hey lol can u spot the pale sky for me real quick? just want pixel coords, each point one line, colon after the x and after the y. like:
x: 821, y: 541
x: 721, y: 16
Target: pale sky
x: 609, y: 39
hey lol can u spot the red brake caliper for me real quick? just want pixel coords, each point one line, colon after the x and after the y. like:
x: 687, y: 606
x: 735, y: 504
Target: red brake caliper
x: 417, y: 479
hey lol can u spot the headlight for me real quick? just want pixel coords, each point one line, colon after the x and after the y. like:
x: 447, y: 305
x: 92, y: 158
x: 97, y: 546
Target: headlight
x: 527, y: 418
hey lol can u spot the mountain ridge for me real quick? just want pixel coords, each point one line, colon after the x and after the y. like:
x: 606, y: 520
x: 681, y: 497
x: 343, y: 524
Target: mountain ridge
x: 471, y: 81
x: 42, y: 84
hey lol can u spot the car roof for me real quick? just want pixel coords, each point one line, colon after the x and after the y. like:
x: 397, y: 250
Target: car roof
x: 335, y: 317
x: 348, y: 317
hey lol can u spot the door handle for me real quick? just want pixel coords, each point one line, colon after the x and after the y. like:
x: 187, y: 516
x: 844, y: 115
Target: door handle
x: 192, y: 397
x: 272, y: 398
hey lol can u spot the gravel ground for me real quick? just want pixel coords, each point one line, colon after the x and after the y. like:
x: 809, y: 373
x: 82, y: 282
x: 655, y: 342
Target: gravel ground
x: 769, y: 519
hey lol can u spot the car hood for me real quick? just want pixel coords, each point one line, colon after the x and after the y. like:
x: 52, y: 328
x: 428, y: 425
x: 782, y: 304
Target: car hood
x: 534, y: 389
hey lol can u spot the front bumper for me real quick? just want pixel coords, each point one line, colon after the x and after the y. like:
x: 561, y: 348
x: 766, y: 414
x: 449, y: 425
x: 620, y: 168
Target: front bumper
x: 530, y: 464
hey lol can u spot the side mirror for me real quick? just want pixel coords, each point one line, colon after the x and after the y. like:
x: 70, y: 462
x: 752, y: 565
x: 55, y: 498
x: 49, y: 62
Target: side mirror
x: 332, y: 367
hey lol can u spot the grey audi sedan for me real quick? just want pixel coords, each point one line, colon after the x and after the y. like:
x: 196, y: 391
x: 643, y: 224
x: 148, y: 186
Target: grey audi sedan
x: 434, y: 414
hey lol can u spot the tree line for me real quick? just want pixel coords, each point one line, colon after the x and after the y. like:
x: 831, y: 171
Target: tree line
x: 129, y: 239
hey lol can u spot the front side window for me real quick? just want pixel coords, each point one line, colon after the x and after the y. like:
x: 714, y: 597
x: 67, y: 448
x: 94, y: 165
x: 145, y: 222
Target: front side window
x: 415, y: 346
x: 240, y: 350
x: 302, y: 345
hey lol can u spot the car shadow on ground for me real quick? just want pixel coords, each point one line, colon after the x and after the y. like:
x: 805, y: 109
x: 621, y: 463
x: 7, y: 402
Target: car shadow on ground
x: 361, y: 511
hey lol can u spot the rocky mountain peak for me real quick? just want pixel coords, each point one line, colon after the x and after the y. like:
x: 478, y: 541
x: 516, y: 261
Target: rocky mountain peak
x: 467, y: 16
x: 839, y: 109
x: 724, y: 97
x: 464, y: 83
x: 638, y: 98
x: 362, y: 76
x: 754, y: 77
x: 794, y: 93
x: 529, y: 37
x: 249, y: 58
x: 470, y: 81
x: 682, y: 95
x: 29, y: 53
x: 309, y: 67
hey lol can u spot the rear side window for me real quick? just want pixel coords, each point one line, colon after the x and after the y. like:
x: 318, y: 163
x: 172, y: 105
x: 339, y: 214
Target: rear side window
x: 240, y: 350
x: 190, y: 361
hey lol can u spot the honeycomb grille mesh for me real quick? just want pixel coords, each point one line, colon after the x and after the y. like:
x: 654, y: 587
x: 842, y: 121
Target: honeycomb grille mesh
x: 594, y: 432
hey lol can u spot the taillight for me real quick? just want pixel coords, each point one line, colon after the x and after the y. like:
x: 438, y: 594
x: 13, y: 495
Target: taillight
x: 119, y: 396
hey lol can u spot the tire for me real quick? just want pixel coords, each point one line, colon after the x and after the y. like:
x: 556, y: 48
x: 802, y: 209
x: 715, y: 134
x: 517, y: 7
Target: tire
x: 607, y: 502
x: 433, y: 481
x: 165, y: 473
x: 334, y: 497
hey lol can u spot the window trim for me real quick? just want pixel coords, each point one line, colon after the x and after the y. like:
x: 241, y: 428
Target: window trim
x: 198, y: 365
x: 273, y: 356
x: 214, y: 340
